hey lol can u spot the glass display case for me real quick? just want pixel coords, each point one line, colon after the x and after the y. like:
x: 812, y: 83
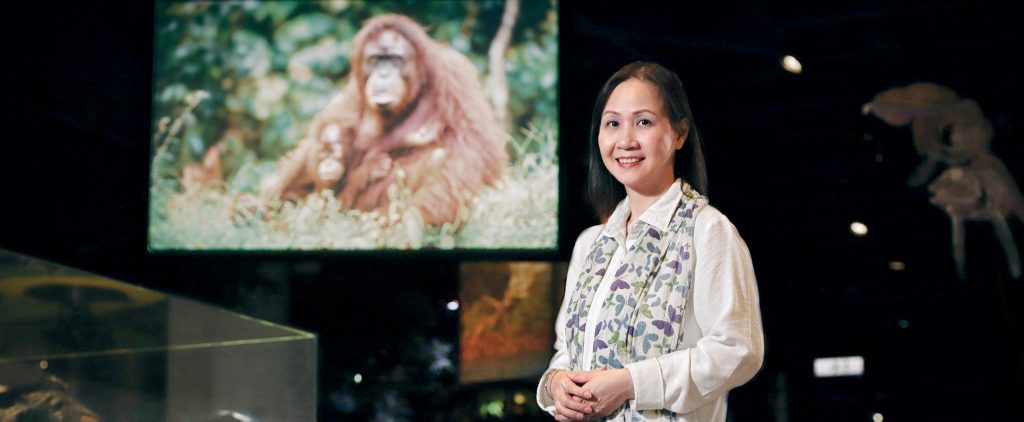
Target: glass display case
x: 76, y: 347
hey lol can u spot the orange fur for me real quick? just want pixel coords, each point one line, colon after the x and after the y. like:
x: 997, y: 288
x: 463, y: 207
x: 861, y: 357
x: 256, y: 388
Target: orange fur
x: 442, y: 135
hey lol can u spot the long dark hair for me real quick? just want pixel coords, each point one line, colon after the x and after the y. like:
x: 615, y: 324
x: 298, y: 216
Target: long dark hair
x: 603, y: 190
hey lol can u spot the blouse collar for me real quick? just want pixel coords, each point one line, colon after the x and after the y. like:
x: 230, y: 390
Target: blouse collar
x: 658, y: 215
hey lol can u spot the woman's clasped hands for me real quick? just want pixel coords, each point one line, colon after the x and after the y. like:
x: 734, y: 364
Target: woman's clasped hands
x: 589, y: 395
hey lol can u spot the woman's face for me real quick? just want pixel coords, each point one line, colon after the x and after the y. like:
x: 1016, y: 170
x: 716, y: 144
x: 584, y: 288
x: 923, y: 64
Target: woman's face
x: 636, y: 140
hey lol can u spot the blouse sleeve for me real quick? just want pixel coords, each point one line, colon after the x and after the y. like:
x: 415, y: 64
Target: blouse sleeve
x: 561, y: 358
x: 727, y: 310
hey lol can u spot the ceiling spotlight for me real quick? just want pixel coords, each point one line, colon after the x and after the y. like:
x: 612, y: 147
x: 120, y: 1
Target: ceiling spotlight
x: 453, y: 305
x: 858, y: 229
x: 233, y: 416
x: 897, y: 265
x: 792, y: 65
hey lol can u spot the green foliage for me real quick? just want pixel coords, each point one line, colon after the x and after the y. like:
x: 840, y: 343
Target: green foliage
x: 533, y: 71
x: 270, y: 66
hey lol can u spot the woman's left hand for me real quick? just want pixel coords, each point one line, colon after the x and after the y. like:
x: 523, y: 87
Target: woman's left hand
x: 609, y: 389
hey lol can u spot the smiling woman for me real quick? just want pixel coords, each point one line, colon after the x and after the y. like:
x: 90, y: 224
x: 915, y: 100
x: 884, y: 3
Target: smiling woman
x: 664, y: 263
x: 638, y: 141
x: 657, y: 97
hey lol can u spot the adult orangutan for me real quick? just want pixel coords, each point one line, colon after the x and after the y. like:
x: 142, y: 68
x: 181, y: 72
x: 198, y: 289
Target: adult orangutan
x: 413, y: 113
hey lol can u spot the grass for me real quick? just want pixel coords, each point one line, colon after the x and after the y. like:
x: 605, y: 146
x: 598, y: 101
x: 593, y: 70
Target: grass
x: 519, y: 212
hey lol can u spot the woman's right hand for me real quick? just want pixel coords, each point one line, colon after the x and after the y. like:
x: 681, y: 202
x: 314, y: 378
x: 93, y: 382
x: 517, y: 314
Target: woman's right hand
x: 570, y: 399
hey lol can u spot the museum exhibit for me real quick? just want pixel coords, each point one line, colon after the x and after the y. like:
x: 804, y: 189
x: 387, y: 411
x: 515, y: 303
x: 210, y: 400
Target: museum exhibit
x: 391, y: 211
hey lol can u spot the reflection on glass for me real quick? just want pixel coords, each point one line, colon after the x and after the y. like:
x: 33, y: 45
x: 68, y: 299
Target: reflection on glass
x: 78, y: 347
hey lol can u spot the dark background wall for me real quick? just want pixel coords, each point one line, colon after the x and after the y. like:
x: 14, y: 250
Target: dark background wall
x: 792, y: 162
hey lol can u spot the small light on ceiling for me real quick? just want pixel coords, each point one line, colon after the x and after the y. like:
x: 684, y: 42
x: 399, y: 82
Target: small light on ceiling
x: 453, y: 305
x: 233, y: 416
x: 358, y: 378
x: 897, y: 265
x: 858, y: 229
x: 44, y: 364
x: 792, y: 65
x: 519, y: 398
x: 877, y: 417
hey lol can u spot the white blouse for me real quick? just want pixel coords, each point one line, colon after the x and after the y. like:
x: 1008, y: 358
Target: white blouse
x: 723, y: 343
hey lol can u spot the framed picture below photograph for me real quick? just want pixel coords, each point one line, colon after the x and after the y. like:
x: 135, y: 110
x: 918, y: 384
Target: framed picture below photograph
x: 508, y: 312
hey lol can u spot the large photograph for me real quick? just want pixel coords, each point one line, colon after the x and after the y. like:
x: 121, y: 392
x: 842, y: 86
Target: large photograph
x: 354, y: 126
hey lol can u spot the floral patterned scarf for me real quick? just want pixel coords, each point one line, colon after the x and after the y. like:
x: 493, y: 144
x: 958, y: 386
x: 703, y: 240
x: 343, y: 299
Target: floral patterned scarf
x: 643, y: 314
